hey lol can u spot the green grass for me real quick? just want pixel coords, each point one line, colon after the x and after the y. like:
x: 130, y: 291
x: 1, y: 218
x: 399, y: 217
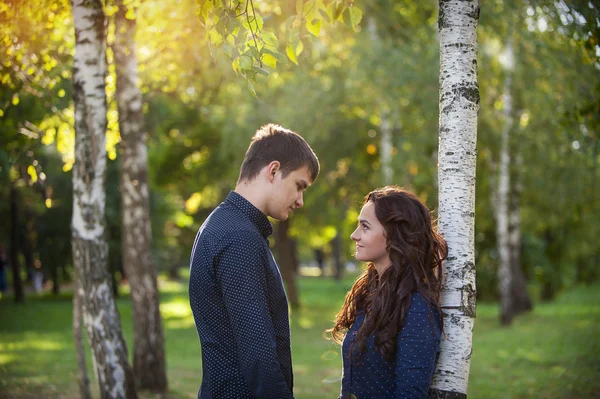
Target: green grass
x: 550, y: 353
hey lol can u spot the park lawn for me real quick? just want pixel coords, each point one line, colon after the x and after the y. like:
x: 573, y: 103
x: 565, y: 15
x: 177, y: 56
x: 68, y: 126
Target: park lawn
x: 550, y: 353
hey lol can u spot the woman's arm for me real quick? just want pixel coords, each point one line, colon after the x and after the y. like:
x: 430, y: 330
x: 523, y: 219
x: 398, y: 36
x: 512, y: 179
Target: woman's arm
x: 417, y: 350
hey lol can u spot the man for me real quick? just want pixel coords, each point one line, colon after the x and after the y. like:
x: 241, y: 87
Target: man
x: 236, y: 292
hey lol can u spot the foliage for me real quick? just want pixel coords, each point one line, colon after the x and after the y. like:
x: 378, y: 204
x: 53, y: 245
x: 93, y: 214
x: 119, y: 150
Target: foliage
x: 237, y: 30
x: 200, y: 117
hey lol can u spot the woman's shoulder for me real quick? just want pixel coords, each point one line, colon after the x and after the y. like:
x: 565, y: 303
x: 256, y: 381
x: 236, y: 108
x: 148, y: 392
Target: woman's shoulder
x: 419, y: 303
x: 422, y: 313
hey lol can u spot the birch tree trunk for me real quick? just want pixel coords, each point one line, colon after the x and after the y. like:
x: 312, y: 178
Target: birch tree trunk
x: 136, y: 234
x: 459, y: 106
x: 386, y: 148
x: 82, y: 374
x: 520, y: 296
x: 15, y: 245
x: 385, y: 144
x: 505, y: 280
x: 90, y: 249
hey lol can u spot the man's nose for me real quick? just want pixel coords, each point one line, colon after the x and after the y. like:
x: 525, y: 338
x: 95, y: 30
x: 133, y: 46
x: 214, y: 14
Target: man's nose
x: 300, y: 200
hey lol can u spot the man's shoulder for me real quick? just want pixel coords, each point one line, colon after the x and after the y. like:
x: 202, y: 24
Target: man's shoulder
x: 225, y: 224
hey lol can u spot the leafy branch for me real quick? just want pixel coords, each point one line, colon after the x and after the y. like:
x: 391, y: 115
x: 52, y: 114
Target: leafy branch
x: 236, y: 29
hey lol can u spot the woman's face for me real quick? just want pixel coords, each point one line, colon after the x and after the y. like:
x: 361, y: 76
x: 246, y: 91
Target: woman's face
x: 370, y: 238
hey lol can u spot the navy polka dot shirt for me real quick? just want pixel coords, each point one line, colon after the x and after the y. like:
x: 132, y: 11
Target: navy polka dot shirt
x: 239, y: 306
x: 409, y: 374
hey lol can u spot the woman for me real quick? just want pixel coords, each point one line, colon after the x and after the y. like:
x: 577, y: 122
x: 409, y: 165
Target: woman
x: 392, y: 316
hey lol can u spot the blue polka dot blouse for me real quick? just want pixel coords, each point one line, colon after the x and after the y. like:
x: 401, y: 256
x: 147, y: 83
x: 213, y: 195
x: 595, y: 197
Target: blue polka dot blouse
x: 409, y: 374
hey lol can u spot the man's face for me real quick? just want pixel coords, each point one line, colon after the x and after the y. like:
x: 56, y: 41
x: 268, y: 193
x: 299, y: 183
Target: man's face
x: 287, y: 193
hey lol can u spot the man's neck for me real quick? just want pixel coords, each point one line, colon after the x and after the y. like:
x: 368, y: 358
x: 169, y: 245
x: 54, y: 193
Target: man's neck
x: 252, y: 194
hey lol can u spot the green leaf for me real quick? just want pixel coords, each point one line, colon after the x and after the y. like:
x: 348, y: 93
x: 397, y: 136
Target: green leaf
x: 215, y: 38
x: 269, y: 60
x: 260, y: 70
x: 278, y: 56
x: 245, y: 62
x: 314, y: 27
x: 221, y: 27
x: 227, y: 49
x: 299, y: 47
x: 236, y: 64
x: 355, y: 16
x: 339, y: 9
x: 291, y: 53
x: 251, y: 89
x: 256, y: 22
x: 325, y: 16
x: 270, y: 39
x: 253, y: 52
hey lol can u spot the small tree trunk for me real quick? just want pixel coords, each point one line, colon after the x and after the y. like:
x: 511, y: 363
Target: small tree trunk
x: 55, y: 279
x: 520, y: 296
x: 385, y: 144
x: 14, y: 245
x: 136, y: 233
x: 287, y: 265
x: 386, y: 148
x: 90, y: 249
x: 336, y: 254
x: 505, y: 275
x: 320, y: 259
x: 459, y: 105
x: 82, y: 374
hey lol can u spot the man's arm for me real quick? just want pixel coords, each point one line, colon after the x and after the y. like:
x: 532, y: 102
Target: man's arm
x: 416, y: 353
x: 240, y: 270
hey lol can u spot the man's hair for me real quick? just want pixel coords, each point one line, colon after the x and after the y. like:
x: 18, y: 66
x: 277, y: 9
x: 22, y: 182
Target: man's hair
x: 274, y: 143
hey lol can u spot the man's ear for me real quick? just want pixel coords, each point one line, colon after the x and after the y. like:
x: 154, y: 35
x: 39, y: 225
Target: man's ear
x: 272, y: 169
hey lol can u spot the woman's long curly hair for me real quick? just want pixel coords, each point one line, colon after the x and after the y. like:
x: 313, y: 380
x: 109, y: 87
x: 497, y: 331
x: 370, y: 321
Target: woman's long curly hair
x: 416, y: 253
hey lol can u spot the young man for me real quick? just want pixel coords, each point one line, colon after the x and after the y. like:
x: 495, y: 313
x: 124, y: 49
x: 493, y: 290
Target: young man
x: 236, y: 292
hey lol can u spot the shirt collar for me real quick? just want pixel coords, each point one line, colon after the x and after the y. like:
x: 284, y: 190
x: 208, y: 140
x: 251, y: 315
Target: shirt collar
x: 258, y: 218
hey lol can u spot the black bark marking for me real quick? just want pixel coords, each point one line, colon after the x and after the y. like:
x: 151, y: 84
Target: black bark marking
x: 437, y: 394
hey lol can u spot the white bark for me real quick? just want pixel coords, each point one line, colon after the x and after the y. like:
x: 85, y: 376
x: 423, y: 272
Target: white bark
x: 385, y: 144
x: 90, y: 249
x: 459, y: 106
x: 385, y: 150
x: 148, y: 338
x: 82, y: 375
x: 504, y: 268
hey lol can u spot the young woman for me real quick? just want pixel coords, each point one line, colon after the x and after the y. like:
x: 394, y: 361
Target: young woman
x: 391, y: 320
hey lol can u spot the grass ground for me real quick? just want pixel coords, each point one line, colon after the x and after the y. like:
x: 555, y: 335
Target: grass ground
x: 550, y: 353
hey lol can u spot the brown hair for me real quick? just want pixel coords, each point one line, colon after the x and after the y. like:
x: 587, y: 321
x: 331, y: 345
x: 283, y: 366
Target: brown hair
x: 275, y: 143
x: 416, y: 252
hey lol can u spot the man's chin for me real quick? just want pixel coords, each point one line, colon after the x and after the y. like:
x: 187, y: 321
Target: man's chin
x: 281, y: 217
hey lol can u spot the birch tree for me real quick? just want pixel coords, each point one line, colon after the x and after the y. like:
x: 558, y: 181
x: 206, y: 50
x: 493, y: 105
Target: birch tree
x: 90, y: 249
x: 459, y: 106
x: 512, y: 286
x: 148, y: 338
x: 520, y: 296
x: 385, y: 144
x: 505, y: 280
